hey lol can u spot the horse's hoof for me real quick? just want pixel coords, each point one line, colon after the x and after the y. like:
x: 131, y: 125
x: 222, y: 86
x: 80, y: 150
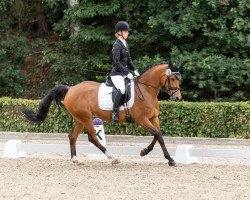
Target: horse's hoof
x: 143, y: 152
x: 80, y: 163
x: 74, y: 159
x: 115, y: 161
x: 172, y: 163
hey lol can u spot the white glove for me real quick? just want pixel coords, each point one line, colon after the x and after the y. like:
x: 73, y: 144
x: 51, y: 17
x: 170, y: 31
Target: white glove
x: 136, y: 73
x: 130, y: 76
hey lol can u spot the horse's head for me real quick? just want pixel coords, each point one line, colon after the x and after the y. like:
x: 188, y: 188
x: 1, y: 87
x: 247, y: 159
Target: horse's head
x: 171, y: 81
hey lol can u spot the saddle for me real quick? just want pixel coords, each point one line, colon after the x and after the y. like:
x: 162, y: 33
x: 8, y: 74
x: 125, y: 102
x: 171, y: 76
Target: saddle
x: 107, y: 92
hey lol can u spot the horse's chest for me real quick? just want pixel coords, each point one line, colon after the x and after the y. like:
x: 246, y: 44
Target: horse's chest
x: 151, y: 111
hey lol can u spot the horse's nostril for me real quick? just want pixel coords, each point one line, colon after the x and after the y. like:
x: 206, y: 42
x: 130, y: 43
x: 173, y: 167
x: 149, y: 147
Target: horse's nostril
x: 177, y: 98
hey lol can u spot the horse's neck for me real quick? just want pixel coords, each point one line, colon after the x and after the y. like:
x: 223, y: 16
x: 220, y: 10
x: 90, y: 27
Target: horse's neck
x: 152, y: 79
x: 152, y: 76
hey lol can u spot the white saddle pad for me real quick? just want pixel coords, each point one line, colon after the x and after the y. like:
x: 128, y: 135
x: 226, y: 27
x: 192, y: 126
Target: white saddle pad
x: 105, y: 97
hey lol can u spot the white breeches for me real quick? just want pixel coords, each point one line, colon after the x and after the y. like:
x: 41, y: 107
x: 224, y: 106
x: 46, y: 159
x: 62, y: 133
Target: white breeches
x: 119, y: 83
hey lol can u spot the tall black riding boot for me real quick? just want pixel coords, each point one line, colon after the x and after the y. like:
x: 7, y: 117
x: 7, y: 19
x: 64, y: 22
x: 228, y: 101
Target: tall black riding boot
x: 116, y: 106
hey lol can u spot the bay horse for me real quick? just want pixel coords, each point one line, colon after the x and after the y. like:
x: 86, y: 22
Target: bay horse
x: 81, y: 101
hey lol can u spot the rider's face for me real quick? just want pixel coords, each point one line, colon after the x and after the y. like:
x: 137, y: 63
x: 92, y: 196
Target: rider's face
x: 125, y: 34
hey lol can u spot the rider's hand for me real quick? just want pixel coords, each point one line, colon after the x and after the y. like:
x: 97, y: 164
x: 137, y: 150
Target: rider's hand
x: 130, y: 76
x: 136, y: 73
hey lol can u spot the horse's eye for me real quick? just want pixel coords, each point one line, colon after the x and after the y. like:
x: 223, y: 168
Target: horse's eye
x: 172, y: 79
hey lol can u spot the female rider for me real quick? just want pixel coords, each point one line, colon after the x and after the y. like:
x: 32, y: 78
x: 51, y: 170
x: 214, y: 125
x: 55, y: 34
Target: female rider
x: 121, y: 64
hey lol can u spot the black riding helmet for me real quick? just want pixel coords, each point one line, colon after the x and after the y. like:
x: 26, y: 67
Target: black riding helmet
x: 122, y: 26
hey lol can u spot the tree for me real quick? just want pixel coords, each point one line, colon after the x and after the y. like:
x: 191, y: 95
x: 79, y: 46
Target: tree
x: 12, y: 56
x: 40, y: 18
x: 75, y: 25
x: 210, y: 36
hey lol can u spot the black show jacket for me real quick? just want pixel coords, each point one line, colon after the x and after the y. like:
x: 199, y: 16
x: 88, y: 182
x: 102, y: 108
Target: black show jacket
x: 121, y: 60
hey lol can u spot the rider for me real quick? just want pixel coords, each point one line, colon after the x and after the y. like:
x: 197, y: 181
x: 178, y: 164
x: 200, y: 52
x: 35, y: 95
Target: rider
x: 121, y: 64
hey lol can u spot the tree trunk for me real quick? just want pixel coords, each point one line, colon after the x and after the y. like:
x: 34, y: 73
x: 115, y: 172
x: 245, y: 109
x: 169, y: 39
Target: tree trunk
x: 75, y: 28
x: 40, y: 18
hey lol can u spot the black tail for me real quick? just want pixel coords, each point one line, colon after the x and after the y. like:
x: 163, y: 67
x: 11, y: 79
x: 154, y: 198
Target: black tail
x: 56, y: 94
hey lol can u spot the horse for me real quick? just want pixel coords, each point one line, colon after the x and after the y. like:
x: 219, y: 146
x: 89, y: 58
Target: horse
x: 81, y: 101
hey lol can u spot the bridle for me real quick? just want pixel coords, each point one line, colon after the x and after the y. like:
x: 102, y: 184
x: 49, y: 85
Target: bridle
x: 168, y: 80
x: 165, y: 89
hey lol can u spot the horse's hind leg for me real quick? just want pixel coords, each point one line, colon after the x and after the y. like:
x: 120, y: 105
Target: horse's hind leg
x: 78, y: 127
x: 88, y: 124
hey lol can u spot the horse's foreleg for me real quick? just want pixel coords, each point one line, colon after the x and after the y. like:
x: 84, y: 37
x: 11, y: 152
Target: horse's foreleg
x: 78, y: 127
x: 92, y: 134
x: 165, y: 151
x: 150, y: 147
x: 147, y: 125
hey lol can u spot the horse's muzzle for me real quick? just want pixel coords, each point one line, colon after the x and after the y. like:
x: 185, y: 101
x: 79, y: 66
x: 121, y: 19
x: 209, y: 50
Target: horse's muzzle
x: 175, y: 97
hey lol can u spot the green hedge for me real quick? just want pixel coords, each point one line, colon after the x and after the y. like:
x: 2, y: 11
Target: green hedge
x: 217, y: 120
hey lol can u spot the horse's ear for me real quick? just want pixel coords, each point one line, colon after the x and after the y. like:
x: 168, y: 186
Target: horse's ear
x: 177, y: 63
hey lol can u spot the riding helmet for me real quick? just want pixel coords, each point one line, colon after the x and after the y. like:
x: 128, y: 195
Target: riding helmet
x: 122, y: 26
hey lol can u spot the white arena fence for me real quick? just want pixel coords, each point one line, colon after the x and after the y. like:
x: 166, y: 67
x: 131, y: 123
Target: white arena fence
x: 185, y: 154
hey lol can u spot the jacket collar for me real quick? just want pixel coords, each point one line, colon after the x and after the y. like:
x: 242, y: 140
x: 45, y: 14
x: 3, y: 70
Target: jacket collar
x: 120, y: 42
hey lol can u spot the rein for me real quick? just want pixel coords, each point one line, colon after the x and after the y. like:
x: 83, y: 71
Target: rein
x: 140, y: 88
x: 161, y: 89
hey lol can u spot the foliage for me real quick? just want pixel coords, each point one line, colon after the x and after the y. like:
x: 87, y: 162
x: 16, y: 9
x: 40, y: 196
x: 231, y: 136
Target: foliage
x: 72, y: 65
x: 211, y: 36
x: 85, y: 56
x: 12, y: 119
x: 185, y: 119
x: 12, y: 52
x: 20, y: 15
x: 214, y: 77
